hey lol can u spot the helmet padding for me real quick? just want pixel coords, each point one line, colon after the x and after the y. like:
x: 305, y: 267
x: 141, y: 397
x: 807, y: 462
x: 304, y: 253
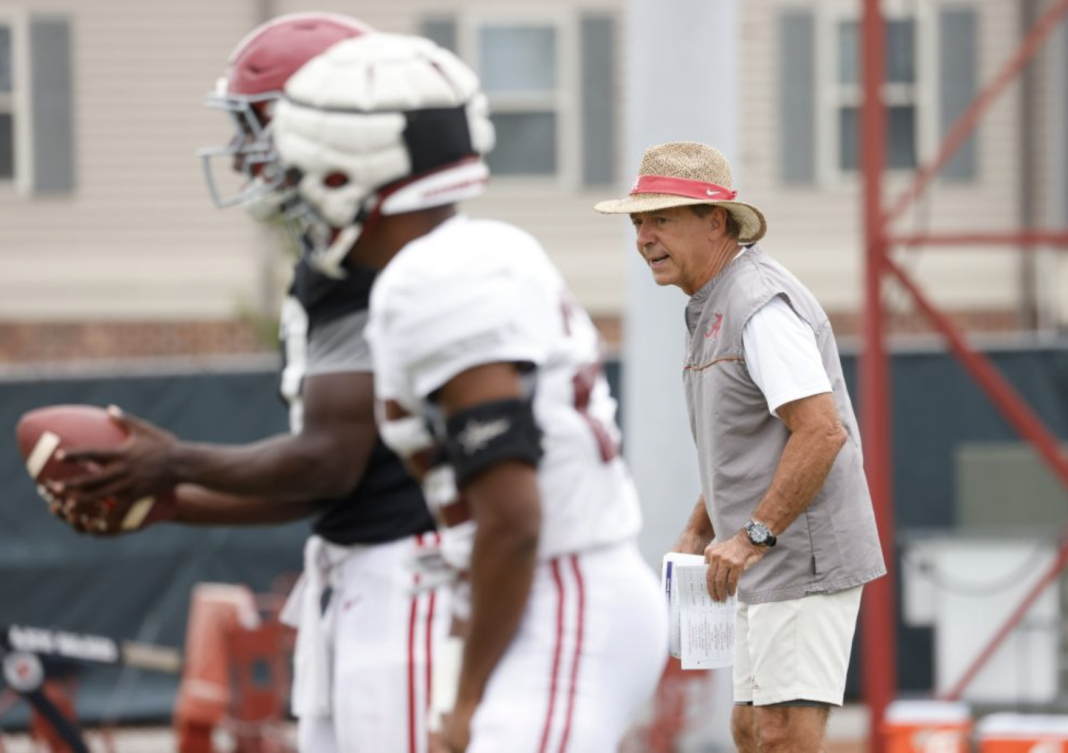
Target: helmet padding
x: 377, y: 110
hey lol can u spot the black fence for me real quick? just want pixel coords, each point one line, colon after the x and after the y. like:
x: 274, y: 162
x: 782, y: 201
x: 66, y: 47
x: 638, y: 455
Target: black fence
x: 134, y: 586
x: 138, y: 587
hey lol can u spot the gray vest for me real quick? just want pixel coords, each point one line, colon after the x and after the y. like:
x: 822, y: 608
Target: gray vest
x: 833, y: 545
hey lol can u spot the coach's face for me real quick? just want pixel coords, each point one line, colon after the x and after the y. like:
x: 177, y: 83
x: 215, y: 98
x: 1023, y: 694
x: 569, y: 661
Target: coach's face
x: 679, y: 246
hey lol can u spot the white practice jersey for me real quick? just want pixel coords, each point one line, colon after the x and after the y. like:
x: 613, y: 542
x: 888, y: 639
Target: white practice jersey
x: 475, y: 292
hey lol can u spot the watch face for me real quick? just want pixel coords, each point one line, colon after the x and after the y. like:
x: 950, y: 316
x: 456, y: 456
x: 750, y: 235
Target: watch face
x: 758, y: 532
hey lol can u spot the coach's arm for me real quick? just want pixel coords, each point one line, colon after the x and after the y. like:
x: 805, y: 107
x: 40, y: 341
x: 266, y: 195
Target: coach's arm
x: 816, y: 438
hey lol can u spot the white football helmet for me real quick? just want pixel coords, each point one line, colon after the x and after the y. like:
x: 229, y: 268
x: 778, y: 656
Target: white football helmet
x: 377, y: 125
x: 256, y: 73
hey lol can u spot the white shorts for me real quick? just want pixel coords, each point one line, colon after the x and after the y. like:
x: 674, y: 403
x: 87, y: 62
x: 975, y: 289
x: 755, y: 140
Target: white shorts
x: 795, y: 650
x: 588, y: 653
x: 383, y: 639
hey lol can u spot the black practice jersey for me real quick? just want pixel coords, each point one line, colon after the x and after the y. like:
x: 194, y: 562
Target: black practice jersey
x: 322, y: 332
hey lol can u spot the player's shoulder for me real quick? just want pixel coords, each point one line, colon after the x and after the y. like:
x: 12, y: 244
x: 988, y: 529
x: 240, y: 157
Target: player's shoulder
x: 462, y: 238
x: 462, y: 253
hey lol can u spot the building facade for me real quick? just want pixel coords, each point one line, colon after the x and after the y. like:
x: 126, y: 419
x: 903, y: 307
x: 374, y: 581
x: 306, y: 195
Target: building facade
x: 109, y: 244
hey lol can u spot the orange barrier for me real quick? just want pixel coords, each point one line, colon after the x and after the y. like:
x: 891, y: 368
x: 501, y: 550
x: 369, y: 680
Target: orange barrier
x: 235, y: 675
x: 259, y: 663
x: 926, y: 727
x: 1022, y: 733
x: 669, y: 707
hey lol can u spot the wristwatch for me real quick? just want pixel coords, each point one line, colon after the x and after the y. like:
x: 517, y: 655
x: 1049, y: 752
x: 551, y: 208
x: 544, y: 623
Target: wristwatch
x: 759, y: 534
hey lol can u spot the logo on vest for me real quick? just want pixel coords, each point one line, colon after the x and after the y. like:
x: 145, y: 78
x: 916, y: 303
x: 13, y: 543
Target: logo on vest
x: 713, y: 332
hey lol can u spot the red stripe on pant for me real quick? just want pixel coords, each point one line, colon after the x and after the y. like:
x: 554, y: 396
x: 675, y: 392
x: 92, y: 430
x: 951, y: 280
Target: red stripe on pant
x: 430, y: 637
x: 578, y: 650
x: 411, y: 675
x: 555, y: 565
x: 412, y: 727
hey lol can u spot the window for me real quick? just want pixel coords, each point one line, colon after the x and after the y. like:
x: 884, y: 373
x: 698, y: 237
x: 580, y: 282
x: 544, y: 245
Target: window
x: 36, y: 104
x: 519, y: 68
x: 7, y: 105
x: 551, y: 84
x: 899, y: 94
x: 929, y: 79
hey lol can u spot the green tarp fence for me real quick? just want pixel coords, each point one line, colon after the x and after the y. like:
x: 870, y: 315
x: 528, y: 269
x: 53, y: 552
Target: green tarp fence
x: 138, y: 587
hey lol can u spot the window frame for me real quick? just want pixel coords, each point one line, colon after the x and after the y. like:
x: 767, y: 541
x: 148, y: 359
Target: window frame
x: 18, y: 104
x: 564, y: 102
x: 833, y: 95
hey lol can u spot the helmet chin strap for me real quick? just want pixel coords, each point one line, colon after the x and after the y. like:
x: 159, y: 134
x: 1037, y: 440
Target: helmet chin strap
x: 331, y: 260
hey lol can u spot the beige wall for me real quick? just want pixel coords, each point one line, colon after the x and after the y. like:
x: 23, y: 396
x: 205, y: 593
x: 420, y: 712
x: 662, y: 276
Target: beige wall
x: 140, y: 239
x: 1050, y: 142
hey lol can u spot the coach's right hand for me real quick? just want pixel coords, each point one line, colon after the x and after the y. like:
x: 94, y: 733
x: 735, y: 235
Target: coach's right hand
x: 727, y: 560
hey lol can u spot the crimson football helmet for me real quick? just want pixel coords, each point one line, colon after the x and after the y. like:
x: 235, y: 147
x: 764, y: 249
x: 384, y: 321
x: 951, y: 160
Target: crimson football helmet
x: 256, y: 74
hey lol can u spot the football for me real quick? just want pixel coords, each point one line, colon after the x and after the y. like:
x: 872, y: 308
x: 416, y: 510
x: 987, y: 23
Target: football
x: 43, y: 431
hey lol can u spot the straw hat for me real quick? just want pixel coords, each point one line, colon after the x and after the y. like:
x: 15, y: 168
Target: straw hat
x: 683, y: 173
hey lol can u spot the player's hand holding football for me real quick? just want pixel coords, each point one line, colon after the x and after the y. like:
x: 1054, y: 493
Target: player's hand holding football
x: 109, y: 517
x: 139, y: 467
x: 117, y: 478
x: 727, y: 560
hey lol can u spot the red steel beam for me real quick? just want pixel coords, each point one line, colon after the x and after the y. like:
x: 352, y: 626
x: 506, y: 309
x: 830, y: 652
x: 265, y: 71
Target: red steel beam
x: 879, y: 624
x: 874, y: 369
x: 1008, y: 402
x: 1027, y: 239
x: 1013, y: 408
x: 967, y: 121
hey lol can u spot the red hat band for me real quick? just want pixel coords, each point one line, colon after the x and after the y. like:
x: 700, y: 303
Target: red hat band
x: 691, y: 189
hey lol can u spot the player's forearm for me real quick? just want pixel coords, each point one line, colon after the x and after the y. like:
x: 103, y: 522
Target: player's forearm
x: 698, y: 532
x: 806, y: 462
x: 196, y: 505
x: 502, y: 571
x: 282, y: 468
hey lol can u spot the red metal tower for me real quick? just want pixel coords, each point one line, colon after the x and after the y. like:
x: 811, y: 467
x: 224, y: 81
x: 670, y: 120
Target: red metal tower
x: 879, y: 626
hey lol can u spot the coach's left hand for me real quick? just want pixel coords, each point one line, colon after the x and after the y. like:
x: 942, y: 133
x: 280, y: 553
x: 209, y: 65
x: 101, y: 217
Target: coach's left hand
x: 727, y: 560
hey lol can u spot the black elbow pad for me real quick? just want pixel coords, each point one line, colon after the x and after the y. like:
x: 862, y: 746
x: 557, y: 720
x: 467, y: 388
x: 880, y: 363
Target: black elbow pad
x: 486, y: 434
